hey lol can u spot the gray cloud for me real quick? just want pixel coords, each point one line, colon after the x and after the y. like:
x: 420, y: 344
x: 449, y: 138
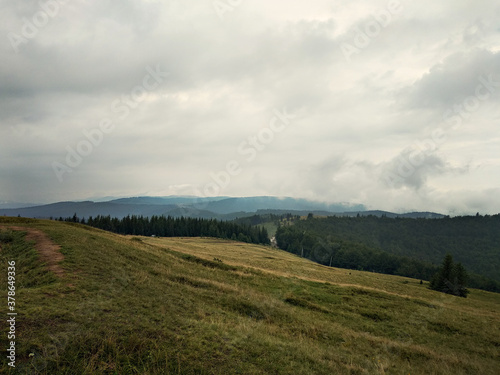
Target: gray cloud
x: 412, y: 168
x: 454, y: 79
x: 353, y: 119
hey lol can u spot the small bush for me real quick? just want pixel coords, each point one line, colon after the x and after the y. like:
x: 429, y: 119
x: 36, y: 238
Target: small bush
x: 207, y: 263
x: 299, y: 302
x: 6, y: 236
x: 248, y: 309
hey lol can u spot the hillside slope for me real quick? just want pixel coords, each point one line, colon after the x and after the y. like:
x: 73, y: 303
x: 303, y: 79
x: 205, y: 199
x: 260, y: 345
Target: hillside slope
x: 138, y: 305
x: 472, y: 240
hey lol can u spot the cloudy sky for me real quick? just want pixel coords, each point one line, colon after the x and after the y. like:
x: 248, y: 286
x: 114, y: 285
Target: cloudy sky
x: 391, y: 104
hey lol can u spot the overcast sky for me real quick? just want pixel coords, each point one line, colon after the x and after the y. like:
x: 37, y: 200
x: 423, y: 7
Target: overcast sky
x: 390, y: 104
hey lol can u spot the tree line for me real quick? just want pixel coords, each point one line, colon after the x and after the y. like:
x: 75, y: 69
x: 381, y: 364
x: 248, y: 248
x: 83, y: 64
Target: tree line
x: 265, y: 218
x: 334, y: 252
x: 167, y: 226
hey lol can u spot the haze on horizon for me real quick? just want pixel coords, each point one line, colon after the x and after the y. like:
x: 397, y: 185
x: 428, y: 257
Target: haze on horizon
x: 390, y: 104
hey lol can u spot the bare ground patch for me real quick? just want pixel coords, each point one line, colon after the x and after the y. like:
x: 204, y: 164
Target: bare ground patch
x: 49, y: 251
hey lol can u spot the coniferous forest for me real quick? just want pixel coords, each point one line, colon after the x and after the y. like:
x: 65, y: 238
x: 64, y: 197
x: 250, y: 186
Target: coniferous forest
x: 162, y: 226
x: 400, y: 246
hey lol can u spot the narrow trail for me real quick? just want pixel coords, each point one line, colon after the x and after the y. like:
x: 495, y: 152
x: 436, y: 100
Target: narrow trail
x: 49, y: 251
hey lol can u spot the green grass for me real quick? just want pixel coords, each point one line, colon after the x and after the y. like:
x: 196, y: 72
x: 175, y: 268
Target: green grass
x: 271, y: 228
x: 137, y: 305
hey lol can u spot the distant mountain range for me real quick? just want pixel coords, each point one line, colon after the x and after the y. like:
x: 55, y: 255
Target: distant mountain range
x: 15, y: 205
x: 225, y: 208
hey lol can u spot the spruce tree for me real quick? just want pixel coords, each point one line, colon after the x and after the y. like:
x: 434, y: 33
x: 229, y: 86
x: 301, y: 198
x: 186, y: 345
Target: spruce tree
x: 445, y: 283
x: 460, y: 280
x: 451, y: 278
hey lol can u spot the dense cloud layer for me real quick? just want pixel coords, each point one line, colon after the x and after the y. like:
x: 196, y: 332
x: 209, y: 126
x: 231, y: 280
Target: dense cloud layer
x: 386, y: 103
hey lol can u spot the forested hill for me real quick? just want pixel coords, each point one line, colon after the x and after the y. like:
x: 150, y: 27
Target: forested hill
x: 472, y: 240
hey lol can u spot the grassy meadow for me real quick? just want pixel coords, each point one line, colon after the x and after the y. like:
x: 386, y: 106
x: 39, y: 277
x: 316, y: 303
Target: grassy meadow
x: 140, y: 305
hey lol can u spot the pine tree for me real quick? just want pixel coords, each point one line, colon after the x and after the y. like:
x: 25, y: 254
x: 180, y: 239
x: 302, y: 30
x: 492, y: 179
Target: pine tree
x: 445, y: 283
x: 460, y: 280
x: 451, y: 278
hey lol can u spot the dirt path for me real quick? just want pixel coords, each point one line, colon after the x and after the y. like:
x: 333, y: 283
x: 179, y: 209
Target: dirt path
x: 48, y: 250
